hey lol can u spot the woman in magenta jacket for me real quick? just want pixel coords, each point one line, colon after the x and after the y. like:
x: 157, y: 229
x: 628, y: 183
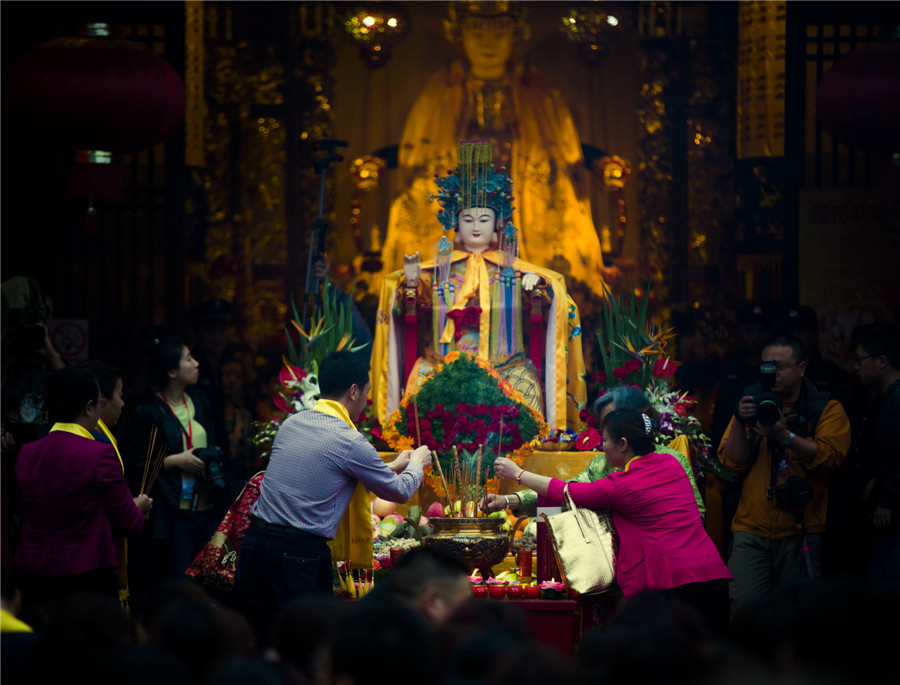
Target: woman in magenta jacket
x: 663, y: 544
x: 76, y: 505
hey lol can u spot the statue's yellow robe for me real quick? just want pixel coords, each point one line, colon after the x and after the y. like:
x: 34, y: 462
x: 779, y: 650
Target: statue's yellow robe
x: 563, y: 384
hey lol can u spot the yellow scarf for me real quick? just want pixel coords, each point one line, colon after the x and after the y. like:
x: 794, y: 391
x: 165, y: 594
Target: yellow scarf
x: 477, y: 281
x: 11, y: 624
x: 335, y: 409
x: 353, y: 540
x: 73, y: 428
x: 112, y: 439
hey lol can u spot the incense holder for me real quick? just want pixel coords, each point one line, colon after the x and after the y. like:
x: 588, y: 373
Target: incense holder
x: 479, y: 542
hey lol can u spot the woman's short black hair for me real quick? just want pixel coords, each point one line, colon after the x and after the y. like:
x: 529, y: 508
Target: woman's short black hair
x: 106, y: 374
x: 68, y: 391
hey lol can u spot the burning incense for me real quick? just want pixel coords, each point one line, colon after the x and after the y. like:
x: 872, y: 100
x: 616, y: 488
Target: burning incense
x: 418, y: 432
x: 150, y: 446
x: 477, y: 497
x: 440, y: 471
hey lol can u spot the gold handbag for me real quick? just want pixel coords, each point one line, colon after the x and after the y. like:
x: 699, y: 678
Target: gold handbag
x: 584, y: 544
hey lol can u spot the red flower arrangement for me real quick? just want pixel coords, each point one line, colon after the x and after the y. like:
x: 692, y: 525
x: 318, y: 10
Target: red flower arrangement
x: 464, y: 404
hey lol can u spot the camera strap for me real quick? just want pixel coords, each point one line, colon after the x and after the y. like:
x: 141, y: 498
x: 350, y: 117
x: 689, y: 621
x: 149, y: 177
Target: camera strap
x: 776, y: 454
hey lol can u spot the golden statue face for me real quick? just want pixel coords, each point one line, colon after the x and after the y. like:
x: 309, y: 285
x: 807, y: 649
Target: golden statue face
x: 488, y: 44
x: 476, y: 227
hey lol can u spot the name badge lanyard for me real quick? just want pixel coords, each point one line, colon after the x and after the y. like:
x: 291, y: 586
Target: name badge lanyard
x: 189, y: 434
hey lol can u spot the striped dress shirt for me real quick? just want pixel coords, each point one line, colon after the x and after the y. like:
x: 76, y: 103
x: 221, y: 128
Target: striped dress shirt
x: 316, y: 462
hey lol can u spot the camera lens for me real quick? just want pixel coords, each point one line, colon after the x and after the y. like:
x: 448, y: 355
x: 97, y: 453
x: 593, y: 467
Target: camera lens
x: 767, y: 413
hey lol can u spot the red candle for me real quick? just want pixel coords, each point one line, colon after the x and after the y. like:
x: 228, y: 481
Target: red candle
x: 396, y: 553
x: 497, y: 591
x: 525, y: 565
x: 479, y: 591
x: 514, y: 592
x: 532, y: 591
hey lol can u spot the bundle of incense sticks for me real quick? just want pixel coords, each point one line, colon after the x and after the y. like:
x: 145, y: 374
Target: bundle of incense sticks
x: 464, y: 482
x: 161, y: 454
x: 464, y: 490
x: 448, y: 499
x: 150, y: 445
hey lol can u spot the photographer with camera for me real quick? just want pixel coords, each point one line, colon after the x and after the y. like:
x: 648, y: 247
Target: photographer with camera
x: 783, y: 438
x: 190, y: 485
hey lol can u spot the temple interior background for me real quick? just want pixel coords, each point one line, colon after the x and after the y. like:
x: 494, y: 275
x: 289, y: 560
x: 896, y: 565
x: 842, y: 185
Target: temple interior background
x: 736, y: 192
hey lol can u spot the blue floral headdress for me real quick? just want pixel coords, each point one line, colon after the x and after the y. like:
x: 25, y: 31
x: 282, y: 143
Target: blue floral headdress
x: 474, y: 183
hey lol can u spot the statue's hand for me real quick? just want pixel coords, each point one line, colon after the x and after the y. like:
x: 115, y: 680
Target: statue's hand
x: 529, y: 281
x: 412, y: 270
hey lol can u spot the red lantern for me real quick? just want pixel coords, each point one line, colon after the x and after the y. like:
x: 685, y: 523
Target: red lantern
x: 858, y: 99
x: 97, y: 94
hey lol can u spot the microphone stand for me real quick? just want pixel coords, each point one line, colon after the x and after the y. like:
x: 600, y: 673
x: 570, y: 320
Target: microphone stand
x: 317, y: 229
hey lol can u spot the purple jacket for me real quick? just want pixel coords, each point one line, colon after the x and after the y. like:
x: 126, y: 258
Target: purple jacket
x: 662, y: 540
x: 76, y: 506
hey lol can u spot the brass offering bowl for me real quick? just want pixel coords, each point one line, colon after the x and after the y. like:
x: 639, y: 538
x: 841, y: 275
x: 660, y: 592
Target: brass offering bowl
x: 477, y: 542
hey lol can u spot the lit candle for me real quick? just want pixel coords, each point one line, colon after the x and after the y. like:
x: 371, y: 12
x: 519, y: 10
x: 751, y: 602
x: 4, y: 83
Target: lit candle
x: 525, y: 565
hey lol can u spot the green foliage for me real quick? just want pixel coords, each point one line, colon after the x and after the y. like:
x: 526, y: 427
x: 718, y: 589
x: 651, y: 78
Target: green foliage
x: 330, y: 329
x: 627, y: 336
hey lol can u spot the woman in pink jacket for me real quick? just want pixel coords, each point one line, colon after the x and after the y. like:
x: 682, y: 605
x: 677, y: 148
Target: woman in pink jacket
x: 663, y: 544
x: 76, y: 506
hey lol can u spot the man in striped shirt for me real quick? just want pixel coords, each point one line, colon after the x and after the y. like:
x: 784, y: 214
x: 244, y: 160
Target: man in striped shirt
x: 318, y: 457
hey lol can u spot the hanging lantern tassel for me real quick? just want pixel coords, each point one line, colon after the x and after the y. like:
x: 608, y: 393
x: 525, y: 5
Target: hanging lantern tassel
x: 93, y: 176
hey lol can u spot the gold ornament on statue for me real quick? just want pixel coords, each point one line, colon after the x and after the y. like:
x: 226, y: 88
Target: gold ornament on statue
x: 366, y: 172
x: 615, y: 171
x: 376, y: 27
x: 461, y: 13
x: 593, y: 27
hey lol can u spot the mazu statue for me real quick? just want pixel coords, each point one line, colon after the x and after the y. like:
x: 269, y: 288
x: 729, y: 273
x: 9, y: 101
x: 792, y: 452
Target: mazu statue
x: 478, y: 297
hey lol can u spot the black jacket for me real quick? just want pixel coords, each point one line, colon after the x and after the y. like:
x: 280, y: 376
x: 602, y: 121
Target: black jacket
x: 167, y: 489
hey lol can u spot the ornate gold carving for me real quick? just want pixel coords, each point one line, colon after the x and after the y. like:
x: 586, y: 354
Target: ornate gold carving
x: 248, y: 151
x: 195, y: 103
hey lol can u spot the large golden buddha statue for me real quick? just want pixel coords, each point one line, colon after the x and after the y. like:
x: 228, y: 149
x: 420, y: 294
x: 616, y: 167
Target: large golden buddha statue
x: 480, y: 298
x: 489, y: 96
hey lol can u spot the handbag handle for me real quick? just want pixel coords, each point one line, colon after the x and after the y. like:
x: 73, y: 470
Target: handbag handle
x: 568, y: 497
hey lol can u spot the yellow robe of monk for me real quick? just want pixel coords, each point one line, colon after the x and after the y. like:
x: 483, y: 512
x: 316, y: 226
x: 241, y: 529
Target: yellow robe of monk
x: 563, y: 384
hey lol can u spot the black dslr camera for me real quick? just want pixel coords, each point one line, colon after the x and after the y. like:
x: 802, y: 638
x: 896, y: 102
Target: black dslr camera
x: 212, y: 456
x: 768, y: 404
x: 794, y: 493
